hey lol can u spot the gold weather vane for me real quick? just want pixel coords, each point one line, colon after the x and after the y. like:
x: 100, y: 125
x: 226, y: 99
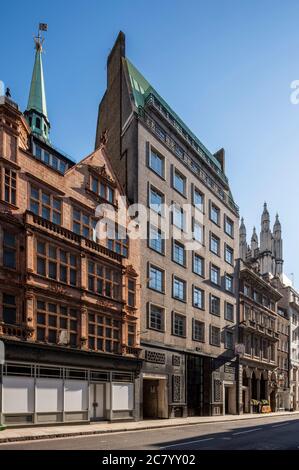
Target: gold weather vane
x: 39, y: 39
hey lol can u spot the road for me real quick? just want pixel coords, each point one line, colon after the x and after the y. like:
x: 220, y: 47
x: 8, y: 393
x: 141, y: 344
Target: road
x: 281, y: 433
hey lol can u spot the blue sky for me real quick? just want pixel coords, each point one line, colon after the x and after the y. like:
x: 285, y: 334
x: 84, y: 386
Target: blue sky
x: 224, y: 66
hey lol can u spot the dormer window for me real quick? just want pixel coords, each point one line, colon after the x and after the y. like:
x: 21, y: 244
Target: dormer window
x: 102, y: 189
x: 49, y: 159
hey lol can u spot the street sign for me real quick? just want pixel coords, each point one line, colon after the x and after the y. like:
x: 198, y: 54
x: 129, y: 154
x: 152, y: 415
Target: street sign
x: 239, y: 349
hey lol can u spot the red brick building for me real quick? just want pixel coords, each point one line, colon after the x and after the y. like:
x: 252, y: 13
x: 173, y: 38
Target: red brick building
x: 69, y: 304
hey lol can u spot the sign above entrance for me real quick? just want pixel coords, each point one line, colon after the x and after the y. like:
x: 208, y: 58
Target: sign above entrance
x: 239, y: 349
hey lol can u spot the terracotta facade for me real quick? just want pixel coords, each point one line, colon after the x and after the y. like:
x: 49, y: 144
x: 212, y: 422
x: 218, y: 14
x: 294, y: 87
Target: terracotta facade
x: 66, y: 298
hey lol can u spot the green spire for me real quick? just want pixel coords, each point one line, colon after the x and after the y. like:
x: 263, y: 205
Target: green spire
x: 36, y: 112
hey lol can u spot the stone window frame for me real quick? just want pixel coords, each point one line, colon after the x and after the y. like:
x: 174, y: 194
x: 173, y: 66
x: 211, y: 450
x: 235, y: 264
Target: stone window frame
x: 17, y: 305
x: 131, y: 292
x: 228, y: 249
x: 179, y: 210
x: 162, y: 271
x: 69, y: 320
x: 226, y: 317
x: 12, y: 248
x: 150, y: 150
x: 213, y: 331
x: 202, y: 307
x: 97, y: 274
x: 228, y: 345
x: 9, y: 184
x: 230, y: 222
x: 216, y: 239
x: 212, y: 312
x: 215, y: 268
x: 163, y: 317
x: 176, y: 315
x: 181, y: 245
x: 160, y: 232
x: 98, y: 323
x: 102, y: 188
x: 184, y: 284
x: 213, y: 206
x: 54, y: 211
x: 229, y: 277
x: 194, y: 189
x: 179, y: 173
x: 83, y: 225
x: 131, y: 335
x: 119, y: 244
x: 194, y: 256
x: 202, y: 324
x: 197, y: 223
x: 152, y: 188
x: 71, y: 266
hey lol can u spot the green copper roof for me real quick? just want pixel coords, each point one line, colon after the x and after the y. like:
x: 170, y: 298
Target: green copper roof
x: 37, y: 95
x: 142, y: 88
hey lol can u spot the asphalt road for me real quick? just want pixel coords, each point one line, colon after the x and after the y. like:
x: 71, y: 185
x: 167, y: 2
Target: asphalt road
x: 280, y: 433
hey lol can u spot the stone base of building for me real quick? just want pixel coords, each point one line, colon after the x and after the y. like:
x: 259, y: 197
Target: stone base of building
x: 177, y: 384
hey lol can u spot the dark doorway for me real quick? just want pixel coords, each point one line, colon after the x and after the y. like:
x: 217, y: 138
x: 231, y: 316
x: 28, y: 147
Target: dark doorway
x: 155, y: 402
x: 254, y: 386
x: 226, y: 400
x: 195, y: 385
x: 263, y: 389
x: 150, y: 398
x: 272, y: 401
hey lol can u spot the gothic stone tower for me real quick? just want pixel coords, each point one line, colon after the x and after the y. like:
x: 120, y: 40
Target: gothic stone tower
x: 268, y: 253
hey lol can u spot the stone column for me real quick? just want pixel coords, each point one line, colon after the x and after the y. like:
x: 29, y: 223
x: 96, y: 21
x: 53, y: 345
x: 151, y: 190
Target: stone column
x: 30, y: 251
x: 83, y: 333
x: 258, y: 389
x: 29, y: 316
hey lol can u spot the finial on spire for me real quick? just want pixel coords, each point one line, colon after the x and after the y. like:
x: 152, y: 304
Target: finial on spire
x: 39, y: 40
x: 254, y: 235
x: 242, y: 229
x: 277, y: 224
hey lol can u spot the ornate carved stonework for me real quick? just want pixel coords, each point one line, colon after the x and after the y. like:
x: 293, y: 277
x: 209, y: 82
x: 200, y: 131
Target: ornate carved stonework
x: 29, y: 295
x: 28, y: 332
x: 130, y: 271
x: 105, y: 303
x: 57, y: 289
x: 102, y: 172
x: 104, y: 137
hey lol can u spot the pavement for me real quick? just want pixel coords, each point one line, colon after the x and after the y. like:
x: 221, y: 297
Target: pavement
x: 69, y: 431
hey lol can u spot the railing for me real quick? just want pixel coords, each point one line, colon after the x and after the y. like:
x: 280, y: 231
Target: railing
x: 102, y: 249
x: 47, y: 224
x: 194, y: 166
x: 152, y: 100
x: 71, y: 236
x: 12, y: 330
x: 131, y: 351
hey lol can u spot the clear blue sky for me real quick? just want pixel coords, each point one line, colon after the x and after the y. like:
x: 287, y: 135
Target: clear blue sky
x: 224, y: 66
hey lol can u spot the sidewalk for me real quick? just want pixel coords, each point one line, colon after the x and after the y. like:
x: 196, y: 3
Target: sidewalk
x: 48, y: 432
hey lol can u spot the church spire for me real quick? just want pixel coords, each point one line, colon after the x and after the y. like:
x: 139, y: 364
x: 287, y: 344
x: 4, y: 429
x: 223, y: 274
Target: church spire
x: 277, y: 227
x: 265, y: 219
x: 36, y: 112
x: 243, y: 247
